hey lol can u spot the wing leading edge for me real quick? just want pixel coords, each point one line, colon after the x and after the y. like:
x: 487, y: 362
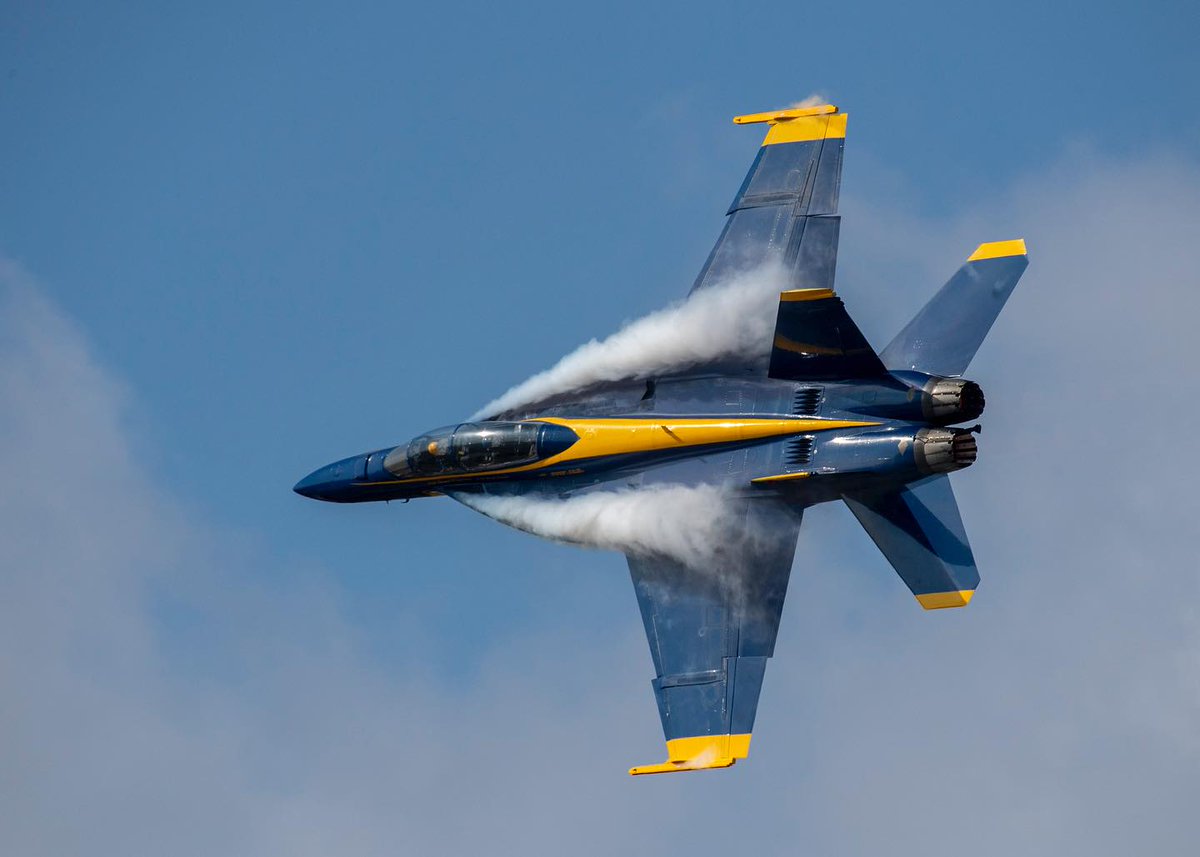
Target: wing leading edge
x: 711, y: 631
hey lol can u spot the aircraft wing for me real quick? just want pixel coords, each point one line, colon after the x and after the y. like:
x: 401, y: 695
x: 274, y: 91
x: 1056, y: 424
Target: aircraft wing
x: 786, y: 210
x: 711, y: 631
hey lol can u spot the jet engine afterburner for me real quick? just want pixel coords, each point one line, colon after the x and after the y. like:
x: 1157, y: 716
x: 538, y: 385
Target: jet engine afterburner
x: 952, y: 400
x: 942, y: 450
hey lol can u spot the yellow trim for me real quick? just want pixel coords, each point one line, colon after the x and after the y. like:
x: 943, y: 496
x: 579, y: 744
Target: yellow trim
x: 806, y: 128
x: 699, y: 753
x: 784, y: 344
x: 618, y: 436
x: 942, y: 600
x: 782, y: 477
x: 783, y: 115
x: 600, y: 437
x: 799, y: 124
x: 998, y: 250
x: 794, y: 295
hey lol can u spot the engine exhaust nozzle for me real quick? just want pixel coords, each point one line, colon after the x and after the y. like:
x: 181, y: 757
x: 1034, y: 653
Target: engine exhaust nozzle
x: 952, y: 400
x: 943, y: 450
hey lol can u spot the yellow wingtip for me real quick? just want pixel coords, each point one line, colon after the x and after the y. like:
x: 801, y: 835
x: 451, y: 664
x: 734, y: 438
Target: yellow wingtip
x: 799, y: 124
x: 698, y: 754
x: 999, y: 250
x: 943, y: 600
x: 672, y: 767
x: 774, y: 116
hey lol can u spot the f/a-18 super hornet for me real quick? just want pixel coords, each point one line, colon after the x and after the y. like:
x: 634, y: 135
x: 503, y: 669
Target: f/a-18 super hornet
x: 815, y: 415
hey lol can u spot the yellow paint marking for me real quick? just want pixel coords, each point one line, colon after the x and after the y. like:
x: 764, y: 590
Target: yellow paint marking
x: 619, y: 436
x: 806, y: 128
x: 699, y: 753
x: 998, y: 250
x: 805, y: 295
x: 600, y: 437
x: 942, y: 600
x: 783, y: 115
x: 782, y: 477
x: 785, y: 344
x: 799, y: 124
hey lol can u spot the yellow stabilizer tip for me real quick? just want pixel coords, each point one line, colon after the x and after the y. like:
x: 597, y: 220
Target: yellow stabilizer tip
x: 942, y: 600
x: 805, y: 295
x: 698, y: 754
x: 998, y: 250
x: 784, y: 115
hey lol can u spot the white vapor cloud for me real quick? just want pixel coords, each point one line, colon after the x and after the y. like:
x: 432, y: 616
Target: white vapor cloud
x: 814, y: 100
x: 689, y: 524
x: 734, y: 319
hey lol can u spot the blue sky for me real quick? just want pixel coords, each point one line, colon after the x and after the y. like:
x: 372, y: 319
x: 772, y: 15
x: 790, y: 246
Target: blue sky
x: 253, y: 239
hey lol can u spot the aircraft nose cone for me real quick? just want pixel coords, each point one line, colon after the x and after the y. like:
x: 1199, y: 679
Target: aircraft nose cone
x: 309, y: 485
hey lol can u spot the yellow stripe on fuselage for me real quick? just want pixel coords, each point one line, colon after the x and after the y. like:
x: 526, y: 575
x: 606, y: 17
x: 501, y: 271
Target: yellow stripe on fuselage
x: 781, y: 477
x: 604, y: 437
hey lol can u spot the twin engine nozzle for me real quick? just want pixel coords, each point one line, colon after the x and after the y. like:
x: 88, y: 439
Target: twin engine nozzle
x: 952, y: 400
x: 942, y: 450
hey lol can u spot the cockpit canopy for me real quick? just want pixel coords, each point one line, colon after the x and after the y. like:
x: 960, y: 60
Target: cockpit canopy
x: 476, y: 447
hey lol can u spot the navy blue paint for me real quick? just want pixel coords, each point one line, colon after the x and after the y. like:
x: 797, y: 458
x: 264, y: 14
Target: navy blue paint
x: 785, y: 212
x: 920, y: 531
x: 711, y: 631
x: 831, y: 345
x: 944, y: 336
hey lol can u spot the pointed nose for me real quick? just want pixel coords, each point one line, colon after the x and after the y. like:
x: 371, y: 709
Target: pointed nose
x: 309, y: 486
x: 329, y: 482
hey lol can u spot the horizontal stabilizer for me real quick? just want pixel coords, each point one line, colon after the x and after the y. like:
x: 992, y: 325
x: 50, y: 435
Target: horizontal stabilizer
x: 815, y: 339
x: 921, y: 533
x: 944, y: 336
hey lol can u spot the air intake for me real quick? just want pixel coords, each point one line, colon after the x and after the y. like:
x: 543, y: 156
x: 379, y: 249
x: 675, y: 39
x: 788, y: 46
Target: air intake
x: 806, y: 401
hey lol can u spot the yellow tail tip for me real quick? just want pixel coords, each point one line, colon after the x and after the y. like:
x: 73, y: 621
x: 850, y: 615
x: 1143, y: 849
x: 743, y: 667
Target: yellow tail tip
x: 998, y: 250
x: 942, y: 600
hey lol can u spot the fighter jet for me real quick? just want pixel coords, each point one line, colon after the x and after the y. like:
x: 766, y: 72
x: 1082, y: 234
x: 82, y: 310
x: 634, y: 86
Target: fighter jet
x: 825, y: 417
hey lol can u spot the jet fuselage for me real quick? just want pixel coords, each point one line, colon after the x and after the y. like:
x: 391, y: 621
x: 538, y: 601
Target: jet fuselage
x: 768, y: 434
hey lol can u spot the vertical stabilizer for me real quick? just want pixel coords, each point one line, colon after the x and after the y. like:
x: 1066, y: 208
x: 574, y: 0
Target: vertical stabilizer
x: 944, y: 336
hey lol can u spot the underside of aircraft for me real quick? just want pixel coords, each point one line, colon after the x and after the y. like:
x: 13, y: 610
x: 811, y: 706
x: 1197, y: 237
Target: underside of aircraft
x: 813, y: 415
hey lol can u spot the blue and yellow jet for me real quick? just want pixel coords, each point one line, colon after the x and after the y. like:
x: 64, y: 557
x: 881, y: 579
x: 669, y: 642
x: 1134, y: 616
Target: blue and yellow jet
x: 826, y: 418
